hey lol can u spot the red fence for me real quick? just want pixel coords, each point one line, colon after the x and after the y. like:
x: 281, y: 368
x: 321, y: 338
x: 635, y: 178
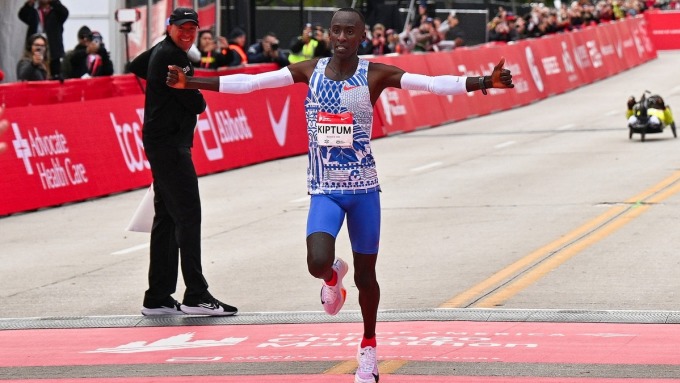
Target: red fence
x: 77, y: 150
x: 664, y: 29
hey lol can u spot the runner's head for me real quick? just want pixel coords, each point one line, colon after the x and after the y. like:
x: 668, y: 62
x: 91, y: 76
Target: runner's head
x: 347, y: 31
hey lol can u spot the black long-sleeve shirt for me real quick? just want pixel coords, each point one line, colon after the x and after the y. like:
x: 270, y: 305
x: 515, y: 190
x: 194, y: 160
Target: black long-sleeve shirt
x: 169, y: 114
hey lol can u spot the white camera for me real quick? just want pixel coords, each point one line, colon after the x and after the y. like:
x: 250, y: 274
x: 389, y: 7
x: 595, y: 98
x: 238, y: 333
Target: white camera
x: 128, y: 15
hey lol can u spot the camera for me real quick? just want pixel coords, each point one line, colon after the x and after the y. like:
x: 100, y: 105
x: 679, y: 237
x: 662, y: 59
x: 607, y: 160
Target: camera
x: 275, y: 46
x: 128, y: 15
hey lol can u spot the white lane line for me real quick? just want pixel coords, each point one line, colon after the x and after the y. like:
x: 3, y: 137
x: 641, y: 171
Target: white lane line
x: 504, y: 144
x: 131, y: 249
x: 428, y: 166
x: 565, y: 127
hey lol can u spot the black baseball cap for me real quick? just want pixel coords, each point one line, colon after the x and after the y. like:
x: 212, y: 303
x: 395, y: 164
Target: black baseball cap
x: 96, y: 36
x: 183, y: 15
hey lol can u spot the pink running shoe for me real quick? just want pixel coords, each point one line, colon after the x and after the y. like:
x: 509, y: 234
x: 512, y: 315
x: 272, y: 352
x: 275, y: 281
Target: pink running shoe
x: 333, y: 297
x: 367, y: 372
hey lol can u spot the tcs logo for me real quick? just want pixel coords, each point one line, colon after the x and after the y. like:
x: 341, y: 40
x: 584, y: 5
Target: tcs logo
x: 130, y: 141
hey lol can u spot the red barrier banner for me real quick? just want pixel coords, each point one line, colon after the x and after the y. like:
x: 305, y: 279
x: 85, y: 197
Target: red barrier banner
x: 554, y: 69
x: 60, y: 157
x: 525, y: 77
x: 478, y: 62
x: 394, y: 106
x: 664, y: 29
x: 613, y: 62
x: 455, y: 107
x: 626, y: 47
x: 638, y: 27
x: 239, y: 130
x: 427, y: 111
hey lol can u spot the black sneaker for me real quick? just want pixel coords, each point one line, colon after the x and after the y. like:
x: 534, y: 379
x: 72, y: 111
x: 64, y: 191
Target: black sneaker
x: 171, y: 307
x: 208, y: 306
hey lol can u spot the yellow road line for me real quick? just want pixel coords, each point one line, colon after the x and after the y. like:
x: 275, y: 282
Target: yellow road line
x: 346, y: 367
x: 349, y: 366
x: 563, y: 248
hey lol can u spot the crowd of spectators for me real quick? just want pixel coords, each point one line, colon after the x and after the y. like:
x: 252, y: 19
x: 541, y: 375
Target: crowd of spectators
x: 44, y: 56
x: 543, y: 20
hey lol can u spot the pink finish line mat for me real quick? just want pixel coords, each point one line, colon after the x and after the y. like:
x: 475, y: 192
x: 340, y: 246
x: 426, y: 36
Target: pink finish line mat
x: 518, y: 342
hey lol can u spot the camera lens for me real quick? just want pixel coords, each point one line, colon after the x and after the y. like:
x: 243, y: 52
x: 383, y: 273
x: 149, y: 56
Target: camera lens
x: 275, y: 47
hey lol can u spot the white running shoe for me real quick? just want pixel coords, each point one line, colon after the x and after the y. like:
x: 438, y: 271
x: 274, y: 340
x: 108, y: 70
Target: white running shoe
x: 208, y: 306
x: 171, y: 307
x: 333, y: 297
x: 367, y: 372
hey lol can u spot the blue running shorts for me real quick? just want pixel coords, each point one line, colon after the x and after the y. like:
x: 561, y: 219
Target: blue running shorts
x: 327, y: 212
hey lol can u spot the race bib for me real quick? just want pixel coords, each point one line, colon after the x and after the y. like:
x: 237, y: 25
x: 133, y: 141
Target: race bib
x: 335, y: 129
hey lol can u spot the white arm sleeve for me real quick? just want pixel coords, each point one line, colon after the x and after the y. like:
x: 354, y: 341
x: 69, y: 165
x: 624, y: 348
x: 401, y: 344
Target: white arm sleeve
x: 246, y: 83
x: 440, y: 85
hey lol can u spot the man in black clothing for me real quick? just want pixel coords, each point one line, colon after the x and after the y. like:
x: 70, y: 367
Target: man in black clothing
x: 48, y: 17
x: 93, y: 61
x: 84, y: 35
x: 168, y: 133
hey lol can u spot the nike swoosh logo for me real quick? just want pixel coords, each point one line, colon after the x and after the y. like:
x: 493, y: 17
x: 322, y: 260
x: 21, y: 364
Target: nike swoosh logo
x: 188, y: 13
x: 349, y: 87
x: 281, y: 125
x: 210, y: 306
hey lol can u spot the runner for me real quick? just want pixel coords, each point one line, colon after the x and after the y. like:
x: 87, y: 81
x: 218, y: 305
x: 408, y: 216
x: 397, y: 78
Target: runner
x: 341, y: 175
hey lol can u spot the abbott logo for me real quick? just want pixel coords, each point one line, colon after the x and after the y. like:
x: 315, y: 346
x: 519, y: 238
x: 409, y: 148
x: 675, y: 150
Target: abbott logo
x: 22, y: 149
x: 131, y: 145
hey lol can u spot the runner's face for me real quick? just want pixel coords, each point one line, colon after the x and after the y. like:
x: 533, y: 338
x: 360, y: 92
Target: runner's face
x: 346, y: 33
x: 184, y: 35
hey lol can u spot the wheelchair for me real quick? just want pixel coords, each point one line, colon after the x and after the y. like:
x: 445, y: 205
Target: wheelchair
x: 648, y: 121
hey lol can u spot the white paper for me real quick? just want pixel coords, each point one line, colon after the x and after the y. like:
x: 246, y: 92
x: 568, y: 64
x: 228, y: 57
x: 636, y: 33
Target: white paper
x: 143, y: 218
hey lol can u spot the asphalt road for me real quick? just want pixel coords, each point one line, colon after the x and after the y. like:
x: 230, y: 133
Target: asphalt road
x: 548, y: 206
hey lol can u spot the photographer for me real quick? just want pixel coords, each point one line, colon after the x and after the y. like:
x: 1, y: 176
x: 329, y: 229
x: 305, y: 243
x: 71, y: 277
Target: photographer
x: 304, y: 47
x: 379, y: 40
x: 35, y: 64
x: 267, y: 51
x: 48, y: 17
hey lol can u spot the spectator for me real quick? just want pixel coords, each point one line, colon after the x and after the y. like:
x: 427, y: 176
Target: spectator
x: 366, y: 45
x: 211, y: 57
x: 304, y: 47
x: 168, y: 135
x: 237, y: 44
x: 83, y: 37
x: 379, y: 40
x: 323, y: 49
x: 425, y: 36
x: 47, y: 17
x: 35, y: 63
x: 267, y: 50
x: 421, y: 16
x: 93, y: 61
x: 393, y: 41
x: 451, y: 34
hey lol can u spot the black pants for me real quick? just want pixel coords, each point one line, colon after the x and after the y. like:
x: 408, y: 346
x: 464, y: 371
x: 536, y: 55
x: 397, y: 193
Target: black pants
x: 176, y: 230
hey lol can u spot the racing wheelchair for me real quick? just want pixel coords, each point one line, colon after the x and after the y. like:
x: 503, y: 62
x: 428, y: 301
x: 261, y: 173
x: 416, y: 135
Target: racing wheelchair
x: 648, y: 115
